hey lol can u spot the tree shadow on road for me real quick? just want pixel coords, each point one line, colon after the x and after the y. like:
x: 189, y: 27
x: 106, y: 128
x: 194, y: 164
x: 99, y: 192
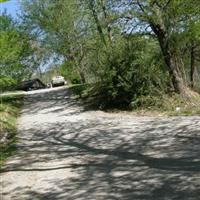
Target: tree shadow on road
x: 53, y: 102
x: 159, y: 160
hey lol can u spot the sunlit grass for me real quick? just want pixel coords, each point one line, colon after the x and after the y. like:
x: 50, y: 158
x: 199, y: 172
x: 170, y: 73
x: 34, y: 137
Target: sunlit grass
x: 9, y: 111
x: 165, y: 104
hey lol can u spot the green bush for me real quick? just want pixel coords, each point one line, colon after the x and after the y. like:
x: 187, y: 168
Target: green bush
x: 128, y: 73
x: 9, y: 111
x: 6, y: 83
x: 70, y: 73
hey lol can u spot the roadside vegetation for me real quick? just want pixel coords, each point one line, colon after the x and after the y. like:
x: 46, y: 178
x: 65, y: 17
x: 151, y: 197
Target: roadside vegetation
x: 19, y: 54
x: 136, y: 54
x: 164, y: 105
x: 131, y: 55
x: 9, y: 111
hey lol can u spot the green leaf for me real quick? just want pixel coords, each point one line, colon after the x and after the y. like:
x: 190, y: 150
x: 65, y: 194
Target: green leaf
x: 2, y: 1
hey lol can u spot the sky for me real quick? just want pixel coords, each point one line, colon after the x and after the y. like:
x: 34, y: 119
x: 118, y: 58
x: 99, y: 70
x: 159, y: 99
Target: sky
x: 11, y: 6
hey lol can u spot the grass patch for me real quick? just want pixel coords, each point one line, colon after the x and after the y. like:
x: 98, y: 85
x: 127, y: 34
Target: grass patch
x: 164, y: 104
x: 168, y: 105
x: 7, y: 151
x: 184, y: 107
x: 9, y: 111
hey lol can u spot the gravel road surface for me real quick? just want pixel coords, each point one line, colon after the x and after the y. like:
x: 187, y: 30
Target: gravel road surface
x: 66, y: 152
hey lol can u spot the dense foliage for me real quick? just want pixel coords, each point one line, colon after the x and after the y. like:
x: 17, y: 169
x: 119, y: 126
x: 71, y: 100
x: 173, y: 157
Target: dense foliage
x: 18, y: 57
x: 130, y: 51
x: 9, y: 111
x: 128, y: 70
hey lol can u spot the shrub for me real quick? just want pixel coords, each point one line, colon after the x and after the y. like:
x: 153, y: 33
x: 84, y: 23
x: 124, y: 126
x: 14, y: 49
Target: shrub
x: 129, y: 75
x: 6, y: 83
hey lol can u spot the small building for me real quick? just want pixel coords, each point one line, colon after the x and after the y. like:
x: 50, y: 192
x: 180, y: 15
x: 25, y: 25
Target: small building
x: 34, y: 84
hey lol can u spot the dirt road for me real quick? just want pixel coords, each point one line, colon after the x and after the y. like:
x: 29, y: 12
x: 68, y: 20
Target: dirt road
x: 68, y: 153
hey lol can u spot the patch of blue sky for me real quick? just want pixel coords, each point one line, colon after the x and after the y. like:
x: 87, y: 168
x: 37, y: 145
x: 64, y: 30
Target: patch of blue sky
x: 12, y: 7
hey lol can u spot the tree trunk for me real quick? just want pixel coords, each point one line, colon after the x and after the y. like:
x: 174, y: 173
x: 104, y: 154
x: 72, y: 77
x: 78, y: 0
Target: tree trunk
x: 98, y: 24
x: 106, y: 17
x: 192, y: 65
x: 80, y: 69
x: 177, y: 78
x: 172, y: 61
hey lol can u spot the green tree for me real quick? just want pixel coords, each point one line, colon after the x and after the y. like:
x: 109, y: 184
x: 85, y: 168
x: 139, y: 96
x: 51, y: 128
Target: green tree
x: 105, y: 42
x: 192, y: 48
x: 166, y: 19
x: 17, y: 58
x: 63, y: 28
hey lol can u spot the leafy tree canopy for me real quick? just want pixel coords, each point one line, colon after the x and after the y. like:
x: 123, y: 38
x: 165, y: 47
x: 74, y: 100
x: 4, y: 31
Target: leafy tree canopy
x: 17, y: 52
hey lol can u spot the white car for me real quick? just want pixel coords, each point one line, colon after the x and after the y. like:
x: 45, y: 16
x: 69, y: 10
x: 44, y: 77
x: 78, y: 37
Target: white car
x: 58, y: 81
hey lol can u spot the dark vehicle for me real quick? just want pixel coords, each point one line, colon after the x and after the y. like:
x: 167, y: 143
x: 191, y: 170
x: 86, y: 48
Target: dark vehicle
x: 34, y: 84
